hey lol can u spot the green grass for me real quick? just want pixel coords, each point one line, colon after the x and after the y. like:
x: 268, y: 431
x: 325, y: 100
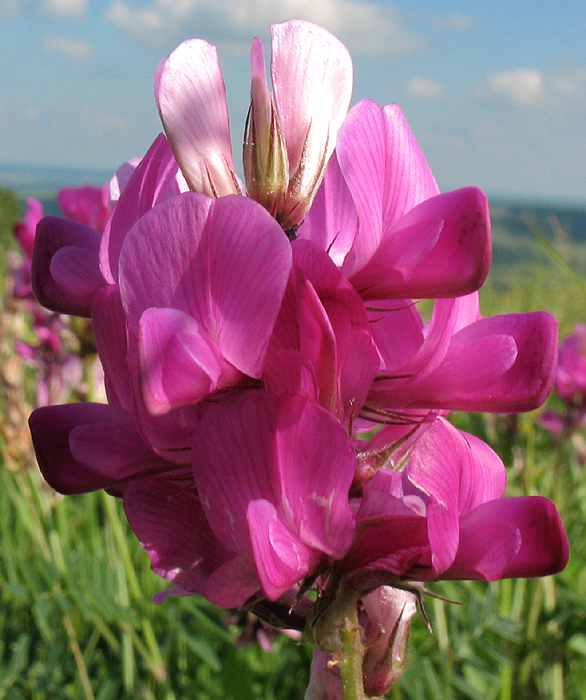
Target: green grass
x: 77, y: 621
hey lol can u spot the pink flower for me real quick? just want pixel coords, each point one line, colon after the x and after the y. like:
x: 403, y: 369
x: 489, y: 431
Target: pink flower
x: 570, y: 385
x: 290, y: 136
x: 444, y: 516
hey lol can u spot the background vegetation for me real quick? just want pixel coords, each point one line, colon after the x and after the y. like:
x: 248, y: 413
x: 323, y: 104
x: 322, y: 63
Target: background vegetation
x: 76, y: 617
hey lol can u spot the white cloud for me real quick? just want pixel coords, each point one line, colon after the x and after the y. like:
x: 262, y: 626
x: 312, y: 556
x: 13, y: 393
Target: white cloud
x: 425, y: 89
x: 73, y: 49
x: 560, y: 91
x: 521, y: 86
x: 71, y: 9
x: 363, y: 26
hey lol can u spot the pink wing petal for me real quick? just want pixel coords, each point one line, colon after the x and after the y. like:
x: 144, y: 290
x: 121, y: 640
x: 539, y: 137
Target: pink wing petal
x: 503, y: 363
x: 223, y: 262
x: 435, y: 464
x: 311, y: 72
x: 191, y: 98
x: 314, y: 499
x: 249, y: 265
x: 332, y: 221
x: 244, y: 466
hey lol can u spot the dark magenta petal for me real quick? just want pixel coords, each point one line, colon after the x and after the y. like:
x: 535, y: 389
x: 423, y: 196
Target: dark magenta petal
x: 86, y: 446
x: 78, y: 243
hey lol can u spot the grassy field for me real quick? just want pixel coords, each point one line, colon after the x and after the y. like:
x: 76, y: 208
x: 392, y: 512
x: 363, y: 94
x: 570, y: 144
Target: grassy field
x: 76, y: 617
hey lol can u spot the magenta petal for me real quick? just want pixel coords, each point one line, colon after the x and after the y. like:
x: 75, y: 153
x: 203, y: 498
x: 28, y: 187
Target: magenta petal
x: 86, y: 205
x: 54, y: 234
x: 281, y: 558
x: 270, y: 457
x: 109, y: 326
x: 191, y: 98
x: 170, y: 523
x: 85, y: 446
x: 177, y: 364
x: 386, y: 173
x: 332, y: 222
x: 510, y: 538
x: 441, y: 248
x: 233, y: 583
x: 311, y: 72
x: 210, y: 259
x: 503, y: 363
x: 76, y: 271
x: 315, y: 500
x: 249, y: 265
x: 153, y: 180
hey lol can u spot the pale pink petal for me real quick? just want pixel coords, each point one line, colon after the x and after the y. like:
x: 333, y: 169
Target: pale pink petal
x: 324, y: 680
x: 389, y: 612
x: 311, y: 72
x: 191, y: 98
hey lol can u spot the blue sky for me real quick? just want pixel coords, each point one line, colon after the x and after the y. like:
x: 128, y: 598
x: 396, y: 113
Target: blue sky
x: 494, y: 91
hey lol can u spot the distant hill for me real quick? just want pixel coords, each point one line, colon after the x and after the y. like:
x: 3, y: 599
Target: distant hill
x: 43, y: 181
x: 513, y: 242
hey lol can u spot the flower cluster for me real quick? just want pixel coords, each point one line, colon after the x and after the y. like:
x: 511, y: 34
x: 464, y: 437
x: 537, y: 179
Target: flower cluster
x: 570, y: 385
x: 254, y: 334
x: 59, y: 365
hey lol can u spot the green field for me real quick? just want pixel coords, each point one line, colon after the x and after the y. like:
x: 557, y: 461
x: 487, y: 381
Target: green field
x: 76, y: 617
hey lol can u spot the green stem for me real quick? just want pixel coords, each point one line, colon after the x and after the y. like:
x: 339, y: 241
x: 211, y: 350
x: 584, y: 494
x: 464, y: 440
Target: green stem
x: 351, y: 656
